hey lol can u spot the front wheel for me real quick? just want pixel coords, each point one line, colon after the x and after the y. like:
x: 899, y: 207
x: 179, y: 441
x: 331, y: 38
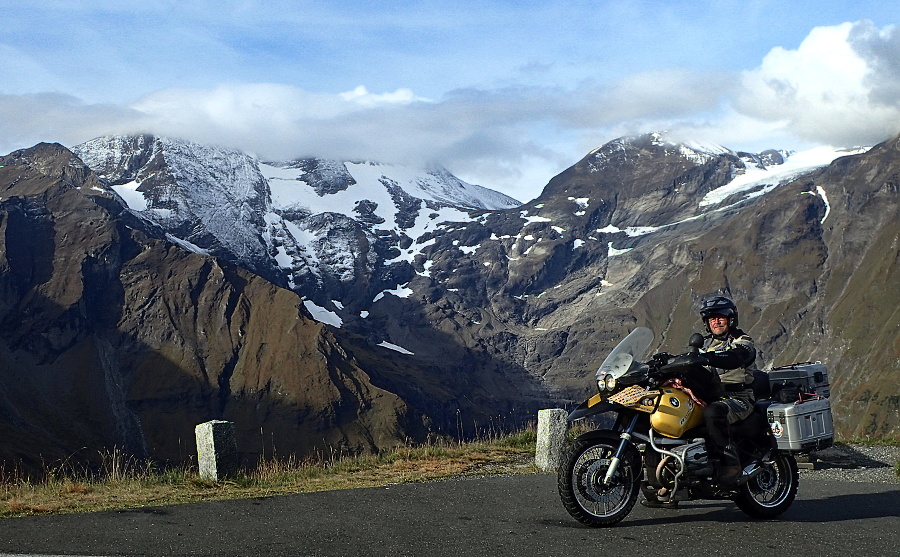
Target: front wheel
x: 581, y: 487
x: 771, y: 492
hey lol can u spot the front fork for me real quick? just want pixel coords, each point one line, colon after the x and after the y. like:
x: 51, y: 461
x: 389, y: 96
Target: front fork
x: 625, y: 437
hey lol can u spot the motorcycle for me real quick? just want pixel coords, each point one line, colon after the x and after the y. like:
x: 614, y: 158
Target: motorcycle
x: 656, y: 445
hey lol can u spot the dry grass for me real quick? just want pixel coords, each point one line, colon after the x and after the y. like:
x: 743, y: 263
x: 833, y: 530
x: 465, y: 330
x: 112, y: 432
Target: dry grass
x: 126, y: 483
x: 873, y: 441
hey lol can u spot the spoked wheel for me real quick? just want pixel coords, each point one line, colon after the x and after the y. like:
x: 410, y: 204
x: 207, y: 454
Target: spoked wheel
x: 771, y: 492
x: 581, y: 487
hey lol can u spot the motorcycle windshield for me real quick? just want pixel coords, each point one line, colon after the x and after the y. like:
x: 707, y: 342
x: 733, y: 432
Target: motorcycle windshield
x: 619, y: 360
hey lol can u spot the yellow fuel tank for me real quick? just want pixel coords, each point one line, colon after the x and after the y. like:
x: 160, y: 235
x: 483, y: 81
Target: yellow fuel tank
x: 676, y: 413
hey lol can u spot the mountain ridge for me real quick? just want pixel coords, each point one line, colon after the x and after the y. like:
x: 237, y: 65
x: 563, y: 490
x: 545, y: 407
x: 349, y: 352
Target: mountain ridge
x: 113, y: 336
x: 443, y: 318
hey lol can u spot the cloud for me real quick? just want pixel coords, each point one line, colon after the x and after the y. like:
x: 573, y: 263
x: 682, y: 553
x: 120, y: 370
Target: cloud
x: 880, y: 48
x: 473, y: 124
x: 840, y: 86
x: 29, y: 119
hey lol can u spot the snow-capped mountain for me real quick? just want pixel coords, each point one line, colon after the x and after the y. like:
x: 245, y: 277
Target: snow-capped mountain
x: 453, y: 275
x: 208, y: 199
x: 342, y: 234
x: 312, y: 225
x: 450, y: 313
x: 113, y: 336
x: 320, y: 210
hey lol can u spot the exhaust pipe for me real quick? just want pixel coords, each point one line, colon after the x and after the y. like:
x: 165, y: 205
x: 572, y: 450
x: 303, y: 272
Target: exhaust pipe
x: 749, y: 472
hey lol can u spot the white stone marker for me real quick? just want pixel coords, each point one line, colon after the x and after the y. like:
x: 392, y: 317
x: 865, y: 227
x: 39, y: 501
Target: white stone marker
x: 551, y: 437
x: 216, y: 449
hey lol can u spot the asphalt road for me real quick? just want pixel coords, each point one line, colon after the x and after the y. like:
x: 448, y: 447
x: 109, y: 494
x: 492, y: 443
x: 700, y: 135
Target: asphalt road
x: 505, y: 515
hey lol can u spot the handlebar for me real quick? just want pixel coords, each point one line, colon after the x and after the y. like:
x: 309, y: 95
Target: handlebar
x: 681, y: 364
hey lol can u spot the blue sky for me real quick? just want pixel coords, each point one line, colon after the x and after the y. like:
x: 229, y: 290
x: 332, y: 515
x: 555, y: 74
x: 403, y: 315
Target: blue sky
x: 503, y: 94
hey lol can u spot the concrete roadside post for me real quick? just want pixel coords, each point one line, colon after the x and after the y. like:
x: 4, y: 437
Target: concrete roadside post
x: 216, y: 449
x: 551, y: 437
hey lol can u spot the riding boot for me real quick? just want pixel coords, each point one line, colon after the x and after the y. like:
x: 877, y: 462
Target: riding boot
x: 729, y: 471
x: 719, y: 446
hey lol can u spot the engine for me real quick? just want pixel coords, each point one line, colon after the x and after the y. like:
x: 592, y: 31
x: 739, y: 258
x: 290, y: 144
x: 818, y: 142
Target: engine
x: 695, y: 457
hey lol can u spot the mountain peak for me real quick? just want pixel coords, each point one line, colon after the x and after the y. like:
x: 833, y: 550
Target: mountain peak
x: 301, y: 223
x: 659, y: 142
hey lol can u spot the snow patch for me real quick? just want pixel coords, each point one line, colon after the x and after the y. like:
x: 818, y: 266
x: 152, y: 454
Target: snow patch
x: 133, y: 198
x: 634, y: 231
x: 582, y: 202
x: 322, y: 315
x: 768, y: 178
x: 395, y: 348
x: 401, y: 292
x: 824, y: 197
x: 820, y: 191
x: 529, y: 220
x: 282, y: 259
x: 612, y: 252
x: 184, y: 244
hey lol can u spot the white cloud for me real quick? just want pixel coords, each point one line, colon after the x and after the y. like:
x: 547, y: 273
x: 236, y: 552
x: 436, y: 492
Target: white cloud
x: 362, y: 96
x: 29, y: 119
x: 840, y: 86
x: 831, y: 89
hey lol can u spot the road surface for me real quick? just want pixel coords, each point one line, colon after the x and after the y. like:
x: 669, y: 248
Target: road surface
x: 517, y: 515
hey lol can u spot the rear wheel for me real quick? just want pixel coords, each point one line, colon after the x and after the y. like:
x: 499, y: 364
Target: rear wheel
x: 581, y: 487
x: 771, y: 492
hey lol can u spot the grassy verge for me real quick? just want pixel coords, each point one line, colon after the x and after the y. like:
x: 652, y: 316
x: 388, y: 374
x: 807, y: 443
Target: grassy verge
x: 872, y: 442
x: 129, y: 484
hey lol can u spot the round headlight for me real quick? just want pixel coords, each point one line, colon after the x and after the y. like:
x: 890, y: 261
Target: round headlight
x: 610, y: 382
x: 601, y: 382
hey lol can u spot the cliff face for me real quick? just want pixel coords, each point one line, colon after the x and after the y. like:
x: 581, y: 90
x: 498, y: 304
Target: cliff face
x: 852, y: 317
x: 112, y: 336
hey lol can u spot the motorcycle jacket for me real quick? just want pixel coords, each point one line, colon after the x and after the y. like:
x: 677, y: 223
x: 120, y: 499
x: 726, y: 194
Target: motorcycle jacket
x: 733, y: 358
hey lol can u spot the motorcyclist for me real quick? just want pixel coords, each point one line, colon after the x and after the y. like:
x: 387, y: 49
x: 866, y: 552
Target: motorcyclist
x: 730, y: 353
x: 728, y: 356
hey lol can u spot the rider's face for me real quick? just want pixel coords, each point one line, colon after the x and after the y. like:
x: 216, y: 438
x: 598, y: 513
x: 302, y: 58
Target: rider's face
x: 718, y: 324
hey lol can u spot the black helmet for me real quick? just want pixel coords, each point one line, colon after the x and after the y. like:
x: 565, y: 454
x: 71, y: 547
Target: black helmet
x: 719, y: 305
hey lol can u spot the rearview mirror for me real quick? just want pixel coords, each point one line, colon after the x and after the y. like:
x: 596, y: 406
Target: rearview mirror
x: 696, y: 341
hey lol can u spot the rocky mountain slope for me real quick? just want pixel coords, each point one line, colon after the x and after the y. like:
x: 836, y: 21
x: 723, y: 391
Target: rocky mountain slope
x: 318, y: 226
x: 167, y: 283
x: 812, y: 264
x: 640, y: 231
x: 114, y: 335
x: 636, y: 233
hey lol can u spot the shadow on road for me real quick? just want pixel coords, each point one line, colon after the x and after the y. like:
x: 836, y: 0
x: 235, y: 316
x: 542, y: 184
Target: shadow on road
x: 847, y: 507
x: 836, y: 508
